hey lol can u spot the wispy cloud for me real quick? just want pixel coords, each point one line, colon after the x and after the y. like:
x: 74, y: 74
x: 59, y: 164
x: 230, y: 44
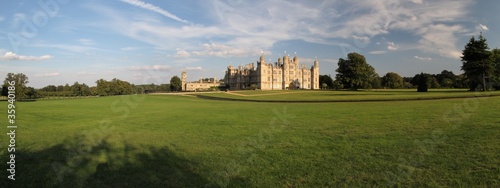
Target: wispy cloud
x: 86, y: 41
x: 244, y: 28
x: 432, y: 19
x: 154, y: 8
x: 194, y: 68
x: 2, y: 18
x: 482, y: 27
x: 377, y: 52
x: 52, y: 74
x: 66, y: 47
x: 11, y: 56
x: 151, y: 68
x: 423, y: 58
x: 129, y: 48
x: 392, y: 47
x: 85, y: 73
x: 182, y: 53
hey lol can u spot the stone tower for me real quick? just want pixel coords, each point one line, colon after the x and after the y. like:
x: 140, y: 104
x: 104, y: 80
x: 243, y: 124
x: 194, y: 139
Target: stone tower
x: 183, y: 80
x: 315, y: 75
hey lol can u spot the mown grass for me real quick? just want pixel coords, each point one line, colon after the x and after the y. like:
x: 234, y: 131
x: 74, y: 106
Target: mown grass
x: 333, y: 96
x: 182, y: 141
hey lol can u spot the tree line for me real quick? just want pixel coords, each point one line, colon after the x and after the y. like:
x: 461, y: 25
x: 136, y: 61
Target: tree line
x: 481, y: 68
x: 102, y: 88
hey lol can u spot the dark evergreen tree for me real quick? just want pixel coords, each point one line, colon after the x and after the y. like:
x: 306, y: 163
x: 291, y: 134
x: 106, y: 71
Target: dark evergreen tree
x: 477, y: 64
x: 422, y: 83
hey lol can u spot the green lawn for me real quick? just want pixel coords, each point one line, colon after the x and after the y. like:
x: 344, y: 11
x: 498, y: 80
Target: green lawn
x: 185, y: 141
x: 335, y: 96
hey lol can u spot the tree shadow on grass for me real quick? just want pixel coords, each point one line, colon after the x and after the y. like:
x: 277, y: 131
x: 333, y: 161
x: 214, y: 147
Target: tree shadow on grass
x: 79, y: 164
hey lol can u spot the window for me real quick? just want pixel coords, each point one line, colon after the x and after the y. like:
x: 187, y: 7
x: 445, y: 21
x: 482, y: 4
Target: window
x: 274, y: 72
x: 291, y: 72
x: 268, y: 79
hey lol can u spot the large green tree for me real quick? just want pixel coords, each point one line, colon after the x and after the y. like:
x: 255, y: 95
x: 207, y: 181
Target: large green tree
x: 392, y: 80
x: 20, y: 84
x: 476, y: 62
x: 354, y: 73
x: 175, y: 83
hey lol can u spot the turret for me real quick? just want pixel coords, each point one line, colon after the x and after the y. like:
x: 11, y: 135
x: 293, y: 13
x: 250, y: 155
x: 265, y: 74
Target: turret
x: 262, y: 59
x: 285, y: 59
x: 183, y: 80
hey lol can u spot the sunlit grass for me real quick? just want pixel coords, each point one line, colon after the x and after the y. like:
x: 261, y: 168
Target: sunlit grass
x: 180, y: 141
x: 368, y: 95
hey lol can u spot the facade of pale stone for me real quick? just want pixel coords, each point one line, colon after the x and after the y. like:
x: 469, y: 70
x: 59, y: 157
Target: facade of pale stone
x: 198, y: 85
x: 287, y: 73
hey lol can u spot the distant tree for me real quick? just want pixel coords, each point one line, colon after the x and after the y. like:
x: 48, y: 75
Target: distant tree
x: 392, y: 80
x: 429, y: 79
x: 476, y: 62
x: 93, y: 91
x: 446, y: 79
x: 324, y: 86
x: 376, y: 81
x: 326, y: 79
x: 20, y: 84
x: 495, y: 77
x: 103, y: 88
x: 30, y: 93
x: 60, y: 88
x: 422, y: 82
x: 175, y: 83
x: 354, y: 73
x: 407, y: 82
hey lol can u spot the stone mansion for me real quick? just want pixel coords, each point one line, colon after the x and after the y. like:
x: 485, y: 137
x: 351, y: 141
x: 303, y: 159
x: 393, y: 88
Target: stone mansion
x: 287, y: 73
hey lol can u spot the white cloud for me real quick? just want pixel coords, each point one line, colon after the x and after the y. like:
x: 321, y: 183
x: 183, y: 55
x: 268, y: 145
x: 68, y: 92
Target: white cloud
x: 129, y: 48
x: 245, y: 27
x: 482, y: 27
x: 423, y: 58
x: 86, y: 41
x: 221, y: 50
x: 2, y: 18
x: 441, y: 39
x: 85, y: 73
x: 52, y: 74
x: 151, y: 68
x: 182, y: 53
x: 154, y: 8
x: 15, y: 57
x: 392, y: 47
x: 377, y: 52
x: 194, y: 68
x: 417, y: 1
x: 72, y: 48
x: 376, y: 18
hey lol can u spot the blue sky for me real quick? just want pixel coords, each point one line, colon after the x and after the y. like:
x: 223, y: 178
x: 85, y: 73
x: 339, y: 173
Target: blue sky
x: 64, y: 41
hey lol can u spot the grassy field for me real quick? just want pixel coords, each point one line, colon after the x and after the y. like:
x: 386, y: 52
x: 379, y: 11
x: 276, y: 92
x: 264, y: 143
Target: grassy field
x: 185, y: 141
x: 335, y: 96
